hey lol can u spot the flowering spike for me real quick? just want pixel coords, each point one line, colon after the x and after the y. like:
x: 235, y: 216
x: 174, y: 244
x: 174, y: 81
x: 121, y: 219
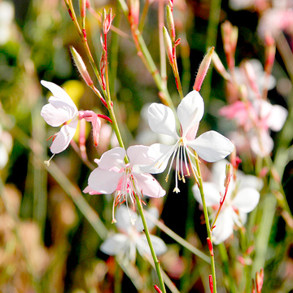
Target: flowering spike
x: 203, y: 68
x: 81, y: 67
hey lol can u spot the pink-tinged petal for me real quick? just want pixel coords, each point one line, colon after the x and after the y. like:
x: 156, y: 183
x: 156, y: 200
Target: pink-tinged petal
x: 104, y: 181
x: 113, y: 158
x: 161, y: 120
x: 148, y: 185
x: 211, y: 192
x: 57, y: 112
x: 93, y: 118
x: 59, y: 93
x: 262, y: 147
x: 161, y: 153
x: 125, y: 218
x: 277, y: 117
x: 190, y: 112
x: 224, y: 226
x: 143, y: 247
x: 212, y: 146
x: 246, y: 199
x: 90, y: 191
x: 139, y: 155
x: 115, y: 244
x: 63, y: 138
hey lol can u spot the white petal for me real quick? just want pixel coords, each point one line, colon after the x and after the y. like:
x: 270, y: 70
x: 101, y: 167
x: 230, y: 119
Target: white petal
x: 224, y: 226
x: 211, y: 192
x: 148, y: 185
x: 266, y: 146
x: 139, y: 155
x: 114, y: 244
x: 246, y: 199
x: 63, y: 137
x: 104, y: 181
x: 161, y: 153
x: 59, y: 93
x: 277, y: 117
x: 125, y: 217
x: 158, y: 244
x: 248, y: 181
x: 3, y: 156
x: 212, y: 146
x: 161, y: 119
x: 112, y: 158
x: 190, y: 111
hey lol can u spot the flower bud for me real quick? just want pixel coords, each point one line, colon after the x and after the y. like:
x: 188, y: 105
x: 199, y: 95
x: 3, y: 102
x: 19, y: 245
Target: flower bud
x: 81, y: 66
x: 108, y: 18
x: 259, y: 280
x: 220, y: 67
x: 170, y: 22
x: 270, y: 52
x: 168, y: 45
x: 134, y: 12
x: 203, y: 69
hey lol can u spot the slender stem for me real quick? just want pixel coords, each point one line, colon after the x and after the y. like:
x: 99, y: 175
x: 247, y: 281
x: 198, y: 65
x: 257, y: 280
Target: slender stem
x: 144, y: 15
x: 206, y: 216
x: 146, y: 57
x: 147, y: 234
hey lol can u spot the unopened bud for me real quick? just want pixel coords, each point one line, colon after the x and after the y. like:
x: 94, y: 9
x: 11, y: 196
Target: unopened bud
x: 168, y: 45
x: 220, y: 67
x: 81, y: 66
x: 211, y: 283
x: 259, y: 281
x: 82, y: 8
x: 228, y: 175
x: 134, y: 12
x: 203, y: 69
x: 108, y: 18
x: 270, y: 52
x: 210, y: 246
x: 234, y: 38
x: 170, y: 22
x: 157, y: 289
x: 251, y: 77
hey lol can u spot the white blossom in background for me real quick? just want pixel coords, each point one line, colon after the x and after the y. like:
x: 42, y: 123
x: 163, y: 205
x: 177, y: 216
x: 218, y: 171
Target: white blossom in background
x: 114, y: 175
x: 131, y: 236
x: 211, y: 146
x: 6, y: 18
x: 242, y: 197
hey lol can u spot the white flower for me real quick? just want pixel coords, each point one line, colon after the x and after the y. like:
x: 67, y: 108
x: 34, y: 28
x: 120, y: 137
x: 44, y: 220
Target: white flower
x: 6, y: 18
x: 210, y: 146
x: 113, y: 174
x: 131, y: 239
x: 241, y: 198
x: 62, y: 111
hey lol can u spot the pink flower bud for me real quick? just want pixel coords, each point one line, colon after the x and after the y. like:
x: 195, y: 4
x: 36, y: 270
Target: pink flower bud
x: 107, y: 22
x: 203, y: 69
x: 270, y: 52
x: 220, y: 67
x: 210, y: 246
x: 157, y: 289
x: 81, y: 67
x: 134, y: 12
x: 211, y: 283
x: 259, y: 281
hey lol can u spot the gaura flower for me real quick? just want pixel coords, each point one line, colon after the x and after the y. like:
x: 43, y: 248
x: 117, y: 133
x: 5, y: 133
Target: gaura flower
x: 126, y: 180
x: 241, y: 198
x: 210, y: 146
x: 131, y: 238
x: 257, y: 118
x: 62, y: 111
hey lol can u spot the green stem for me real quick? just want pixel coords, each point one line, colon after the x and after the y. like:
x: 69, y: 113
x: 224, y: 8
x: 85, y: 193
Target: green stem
x: 144, y: 15
x: 207, y: 221
x: 147, y: 234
